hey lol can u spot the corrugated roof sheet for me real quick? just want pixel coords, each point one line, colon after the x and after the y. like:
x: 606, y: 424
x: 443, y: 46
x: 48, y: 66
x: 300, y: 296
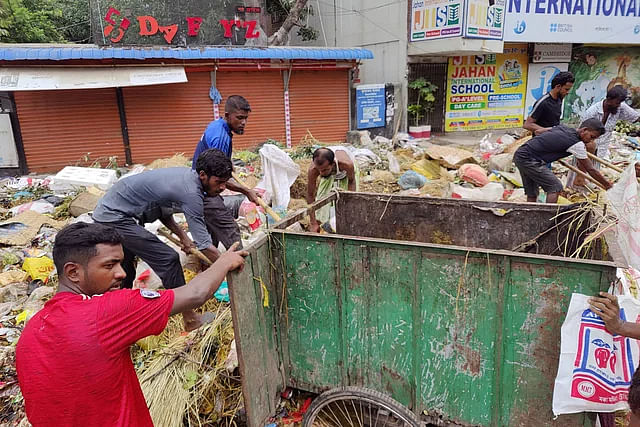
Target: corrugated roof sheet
x: 41, y: 52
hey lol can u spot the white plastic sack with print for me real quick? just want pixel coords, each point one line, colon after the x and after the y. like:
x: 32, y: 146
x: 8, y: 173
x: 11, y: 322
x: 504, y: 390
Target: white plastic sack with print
x: 623, y: 197
x: 280, y: 172
x: 596, y: 367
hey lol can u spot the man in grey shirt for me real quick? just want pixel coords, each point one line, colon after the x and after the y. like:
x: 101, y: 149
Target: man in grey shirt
x: 157, y: 194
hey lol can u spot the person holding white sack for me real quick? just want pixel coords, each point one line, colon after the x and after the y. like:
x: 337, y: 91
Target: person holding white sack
x: 606, y: 306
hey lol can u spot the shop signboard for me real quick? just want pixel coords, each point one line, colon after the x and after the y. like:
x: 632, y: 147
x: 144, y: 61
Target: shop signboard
x: 486, y: 91
x: 166, y: 22
x: 552, y: 52
x: 573, y: 21
x: 539, y: 82
x: 371, y: 106
x: 484, y: 19
x: 436, y: 19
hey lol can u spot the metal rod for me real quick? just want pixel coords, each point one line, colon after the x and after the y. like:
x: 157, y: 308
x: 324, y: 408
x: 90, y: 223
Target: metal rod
x: 582, y: 174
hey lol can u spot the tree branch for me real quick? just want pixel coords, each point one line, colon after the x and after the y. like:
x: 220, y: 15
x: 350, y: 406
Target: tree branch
x: 281, y: 37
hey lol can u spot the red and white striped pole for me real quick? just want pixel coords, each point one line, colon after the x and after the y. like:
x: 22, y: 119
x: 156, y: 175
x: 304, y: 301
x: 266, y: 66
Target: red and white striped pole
x: 287, y: 118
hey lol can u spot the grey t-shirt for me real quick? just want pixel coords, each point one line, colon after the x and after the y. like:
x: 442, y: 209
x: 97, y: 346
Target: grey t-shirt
x: 166, y: 190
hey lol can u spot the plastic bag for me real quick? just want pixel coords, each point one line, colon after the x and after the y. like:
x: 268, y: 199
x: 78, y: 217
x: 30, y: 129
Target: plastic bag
x: 411, y: 179
x: 280, y: 172
x: 623, y: 197
x: 492, y: 192
x: 394, y: 165
x: 38, y: 268
x: 474, y: 174
x: 595, y: 367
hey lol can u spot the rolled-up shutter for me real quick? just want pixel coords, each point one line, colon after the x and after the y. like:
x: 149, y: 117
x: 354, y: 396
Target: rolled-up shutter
x: 61, y: 127
x: 319, y: 104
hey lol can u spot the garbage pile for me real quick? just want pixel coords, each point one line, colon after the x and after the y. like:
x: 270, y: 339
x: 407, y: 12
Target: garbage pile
x: 192, y: 378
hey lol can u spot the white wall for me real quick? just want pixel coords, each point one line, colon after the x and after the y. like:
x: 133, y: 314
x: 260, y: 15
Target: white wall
x: 378, y: 25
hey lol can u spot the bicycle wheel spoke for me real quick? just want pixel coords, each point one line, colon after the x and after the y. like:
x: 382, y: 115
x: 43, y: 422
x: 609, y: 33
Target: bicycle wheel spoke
x: 355, y: 413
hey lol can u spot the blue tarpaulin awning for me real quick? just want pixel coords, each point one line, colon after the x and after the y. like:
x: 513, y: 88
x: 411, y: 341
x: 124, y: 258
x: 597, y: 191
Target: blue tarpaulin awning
x: 43, y: 52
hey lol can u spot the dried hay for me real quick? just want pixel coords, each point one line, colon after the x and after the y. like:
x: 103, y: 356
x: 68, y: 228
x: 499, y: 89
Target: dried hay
x: 184, y: 378
x: 175, y: 161
x: 299, y: 187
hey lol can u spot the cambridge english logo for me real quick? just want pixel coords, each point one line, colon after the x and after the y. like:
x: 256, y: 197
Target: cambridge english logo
x: 520, y: 27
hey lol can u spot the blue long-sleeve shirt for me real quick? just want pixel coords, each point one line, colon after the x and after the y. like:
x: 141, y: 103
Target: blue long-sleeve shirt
x: 216, y: 135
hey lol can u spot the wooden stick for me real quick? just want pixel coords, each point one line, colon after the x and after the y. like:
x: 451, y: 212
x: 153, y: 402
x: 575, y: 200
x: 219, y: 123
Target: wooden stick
x: 582, y: 174
x: 604, y: 162
x: 266, y: 207
x: 177, y: 241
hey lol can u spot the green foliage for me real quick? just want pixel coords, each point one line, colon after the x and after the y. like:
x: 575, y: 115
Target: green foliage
x: 280, y: 9
x: 426, y: 98
x: 44, y: 21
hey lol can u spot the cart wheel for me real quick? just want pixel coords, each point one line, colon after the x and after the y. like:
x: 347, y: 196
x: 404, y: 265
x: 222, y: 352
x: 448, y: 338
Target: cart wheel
x: 357, y: 407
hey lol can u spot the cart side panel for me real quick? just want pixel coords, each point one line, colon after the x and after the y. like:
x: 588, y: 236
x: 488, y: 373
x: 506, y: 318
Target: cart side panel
x: 460, y: 320
x: 488, y: 225
x: 379, y: 294
x: 311, y: 320
x: 537, y: 297
x: 469, y: 335
x: 254, y: 305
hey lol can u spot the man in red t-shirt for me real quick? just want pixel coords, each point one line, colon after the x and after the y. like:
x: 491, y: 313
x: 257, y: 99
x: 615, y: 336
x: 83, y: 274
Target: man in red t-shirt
x: 73, y: 360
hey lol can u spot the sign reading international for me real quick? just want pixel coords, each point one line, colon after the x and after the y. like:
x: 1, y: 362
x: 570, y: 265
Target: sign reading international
x: 436, y: 19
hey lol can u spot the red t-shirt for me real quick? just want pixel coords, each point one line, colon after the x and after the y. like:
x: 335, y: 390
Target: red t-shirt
x: 73, y: 360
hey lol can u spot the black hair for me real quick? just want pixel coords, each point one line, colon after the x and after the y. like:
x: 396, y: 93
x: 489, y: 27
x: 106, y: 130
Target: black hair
x: 323, y: 153
x: 236, y: 103
x: 617, y: 93
x: 77, y: 243
x: 593, y: 124
x: 562, y: 78
x: 214, y: 163
x: 634, y: 392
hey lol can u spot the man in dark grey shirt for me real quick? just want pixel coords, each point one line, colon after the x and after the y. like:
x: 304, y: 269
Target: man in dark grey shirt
x: 157, y: 194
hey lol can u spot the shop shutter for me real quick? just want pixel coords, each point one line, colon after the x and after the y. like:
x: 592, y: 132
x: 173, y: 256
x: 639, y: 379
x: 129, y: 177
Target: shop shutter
x: 167, y: 119
x: 320, y: 104
x: 59, y: 127
x: 265, y: 92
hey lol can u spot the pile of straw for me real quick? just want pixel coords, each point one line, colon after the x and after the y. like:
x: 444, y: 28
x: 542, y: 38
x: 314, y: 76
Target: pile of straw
x: 183, y: 376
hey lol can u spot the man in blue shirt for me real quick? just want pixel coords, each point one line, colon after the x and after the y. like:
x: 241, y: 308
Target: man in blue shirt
x: 219, y: 217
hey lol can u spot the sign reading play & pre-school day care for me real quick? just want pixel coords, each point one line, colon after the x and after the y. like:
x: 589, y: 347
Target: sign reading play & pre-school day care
x: 484, y: 20
x: 371, y: 106
x: 486, y: 91
x: 165, y: 22
x: 436, y: 19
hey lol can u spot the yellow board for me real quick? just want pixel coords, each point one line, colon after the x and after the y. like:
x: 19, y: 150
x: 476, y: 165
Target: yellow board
x: 487, y: 91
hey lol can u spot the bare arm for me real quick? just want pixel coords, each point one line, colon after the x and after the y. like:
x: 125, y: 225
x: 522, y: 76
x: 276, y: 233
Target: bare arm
x: 233, y: 185
x: 606, y: 306
x: 531, y: 125
x: 312, y: 178
x: 202, y: 287
x: 351, y: 176
x: 586, y: 165
x: 170, y: 223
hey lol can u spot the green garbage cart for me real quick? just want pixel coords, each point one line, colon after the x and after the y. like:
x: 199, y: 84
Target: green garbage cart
x: 418, y: 311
